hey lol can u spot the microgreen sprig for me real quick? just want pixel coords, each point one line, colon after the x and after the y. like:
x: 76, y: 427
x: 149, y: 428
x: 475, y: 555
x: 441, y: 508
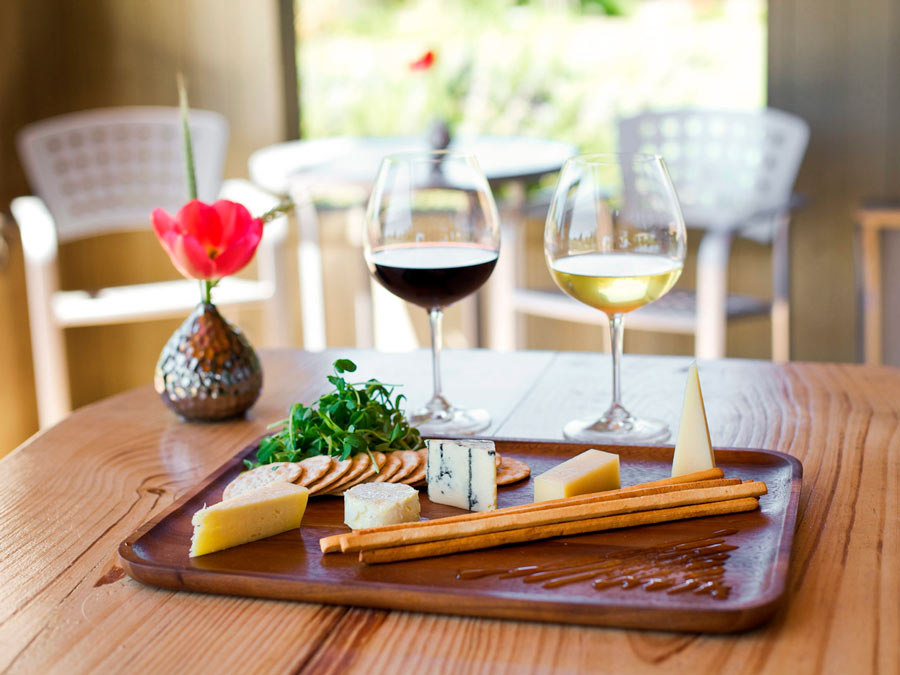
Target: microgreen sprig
x: 354, y: 417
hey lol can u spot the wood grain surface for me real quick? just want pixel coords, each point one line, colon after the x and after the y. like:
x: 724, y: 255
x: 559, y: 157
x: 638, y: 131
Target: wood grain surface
x: 71, y: 494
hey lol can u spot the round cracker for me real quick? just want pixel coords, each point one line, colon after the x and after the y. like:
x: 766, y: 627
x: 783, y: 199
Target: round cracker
x: 419, y: 473
x: 391, y: 466
x: 314, y: 468
x: 358, y: 464
x: 410, y: 461
x: 338, y: 470
x: 497, y: 459
x: 371, y: 470
x: 512, y: 471
x: 277, y: 472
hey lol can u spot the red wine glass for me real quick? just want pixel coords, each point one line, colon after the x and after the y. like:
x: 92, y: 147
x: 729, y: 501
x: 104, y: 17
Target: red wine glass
x: 432, y: 238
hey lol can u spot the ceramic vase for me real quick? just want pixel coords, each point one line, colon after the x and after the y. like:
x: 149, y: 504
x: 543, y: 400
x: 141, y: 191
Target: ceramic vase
x: 208, y: 371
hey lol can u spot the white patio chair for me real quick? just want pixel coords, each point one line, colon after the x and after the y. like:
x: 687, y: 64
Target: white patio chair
x: 102, y: 171
x: 734, y: 173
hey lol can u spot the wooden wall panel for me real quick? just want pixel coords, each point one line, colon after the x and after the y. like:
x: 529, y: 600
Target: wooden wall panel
x: 836, y: 65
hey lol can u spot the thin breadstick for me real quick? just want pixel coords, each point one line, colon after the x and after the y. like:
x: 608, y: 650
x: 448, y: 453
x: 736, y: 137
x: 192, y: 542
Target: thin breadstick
x: 449, y: 546
x: 437, y: 530
x: 706, y: 474
x: 346, y: 541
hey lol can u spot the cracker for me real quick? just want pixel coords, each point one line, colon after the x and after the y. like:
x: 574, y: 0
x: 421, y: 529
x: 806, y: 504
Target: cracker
x: 410, y: 462
x: 392, y: 464
x: 419, y: 473
x: 359, y: 464
x: 512, y: 471
x: 336, y: 473
x: 497, y: 459
x: 314, y: 468
x: 372, y: 470
x: 278, y: 472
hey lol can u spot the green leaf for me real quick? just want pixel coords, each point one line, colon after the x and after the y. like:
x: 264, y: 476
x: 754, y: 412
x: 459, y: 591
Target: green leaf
x: 349, y: 419
x: 395, y: 432
x: 344, y: 366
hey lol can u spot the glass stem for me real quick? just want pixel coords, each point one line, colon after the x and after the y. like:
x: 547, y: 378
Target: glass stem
x: 435, y: 317
x: 616, y: 338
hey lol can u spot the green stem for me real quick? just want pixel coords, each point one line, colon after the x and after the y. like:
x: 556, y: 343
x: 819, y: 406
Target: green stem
x: 188, y: 146
x: 207, y: 291
x: 283, y: 208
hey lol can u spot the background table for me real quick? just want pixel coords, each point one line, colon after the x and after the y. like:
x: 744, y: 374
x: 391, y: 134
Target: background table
x: 69, y: 496
x: 303, y: 169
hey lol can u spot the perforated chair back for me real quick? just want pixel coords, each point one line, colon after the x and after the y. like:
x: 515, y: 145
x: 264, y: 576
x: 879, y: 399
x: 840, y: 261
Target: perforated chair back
x: 106, y: 170
x: 731, y: 169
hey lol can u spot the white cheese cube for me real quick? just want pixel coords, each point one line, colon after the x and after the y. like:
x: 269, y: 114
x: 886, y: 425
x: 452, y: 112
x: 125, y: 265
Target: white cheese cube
x: 376, y: 504
x: 462, y: 474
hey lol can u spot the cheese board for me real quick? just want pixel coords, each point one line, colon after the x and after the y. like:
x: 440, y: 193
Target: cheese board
x: 638, y: 577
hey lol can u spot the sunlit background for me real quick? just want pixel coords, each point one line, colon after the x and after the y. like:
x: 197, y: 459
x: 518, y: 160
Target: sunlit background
x: 557, y: 70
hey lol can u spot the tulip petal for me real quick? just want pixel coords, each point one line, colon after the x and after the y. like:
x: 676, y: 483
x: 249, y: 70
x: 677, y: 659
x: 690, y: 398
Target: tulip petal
x: 163, y: 223
x: 239, y: 252
x: 201, y: 221
x: 191, y: 258
x: 235, y: 220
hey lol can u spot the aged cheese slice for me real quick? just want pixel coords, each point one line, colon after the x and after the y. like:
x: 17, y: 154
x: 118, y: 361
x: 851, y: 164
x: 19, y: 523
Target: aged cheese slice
x: 591, y: 471
x: 377, y: 504
x: 266, y: 511
x: 693, y: 450
x: 462, y: 474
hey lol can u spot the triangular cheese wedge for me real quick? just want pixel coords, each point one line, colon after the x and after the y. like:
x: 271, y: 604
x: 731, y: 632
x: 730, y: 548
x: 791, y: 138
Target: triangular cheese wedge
x: 693, y: 450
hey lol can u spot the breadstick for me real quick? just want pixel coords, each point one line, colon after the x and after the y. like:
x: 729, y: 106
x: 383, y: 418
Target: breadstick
x: 436, y: 530
x: 350, y: 541
x: 448, y: 546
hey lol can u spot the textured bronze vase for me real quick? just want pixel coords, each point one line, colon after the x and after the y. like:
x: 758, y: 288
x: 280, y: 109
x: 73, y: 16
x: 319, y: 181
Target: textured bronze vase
x: 208, y: 371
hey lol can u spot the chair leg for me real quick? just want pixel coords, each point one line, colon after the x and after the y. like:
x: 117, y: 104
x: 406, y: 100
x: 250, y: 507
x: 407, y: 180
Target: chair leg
x: 712, y: 291
x: 504, y: 325
x: 781, y: 320
x: 48, y: 348
x: 273, y: 269
x: 309, y: 254
x: 501, y: 317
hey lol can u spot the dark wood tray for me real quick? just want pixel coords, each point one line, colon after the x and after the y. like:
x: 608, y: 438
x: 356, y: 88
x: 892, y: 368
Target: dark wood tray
x: 290, y: 566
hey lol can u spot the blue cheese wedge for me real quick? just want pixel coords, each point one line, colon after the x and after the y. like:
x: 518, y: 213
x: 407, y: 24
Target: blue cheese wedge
x: 377, y: 504
x: 462, y: 474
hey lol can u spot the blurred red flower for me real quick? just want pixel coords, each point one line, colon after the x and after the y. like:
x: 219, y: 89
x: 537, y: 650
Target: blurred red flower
x: 208, y: 241
x: 424, y: 62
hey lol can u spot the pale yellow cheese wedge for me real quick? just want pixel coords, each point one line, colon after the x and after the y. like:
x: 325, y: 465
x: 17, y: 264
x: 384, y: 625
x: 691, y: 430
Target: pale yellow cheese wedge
x: 693, y: 450
x: 591, y: 471
x: 263, y: 512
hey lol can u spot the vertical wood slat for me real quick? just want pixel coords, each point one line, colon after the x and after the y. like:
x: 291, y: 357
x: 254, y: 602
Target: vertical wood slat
x: 830, y: 62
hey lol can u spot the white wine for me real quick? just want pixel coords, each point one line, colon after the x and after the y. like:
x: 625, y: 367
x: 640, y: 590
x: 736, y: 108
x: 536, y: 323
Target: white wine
x: 616, y: 282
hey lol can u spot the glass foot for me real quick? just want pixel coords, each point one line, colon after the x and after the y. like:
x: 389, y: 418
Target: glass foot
x: 450, y: 422
x: 628, y: 430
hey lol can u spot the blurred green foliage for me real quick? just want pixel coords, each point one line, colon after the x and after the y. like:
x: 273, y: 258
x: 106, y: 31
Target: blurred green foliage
x: 547, y: 68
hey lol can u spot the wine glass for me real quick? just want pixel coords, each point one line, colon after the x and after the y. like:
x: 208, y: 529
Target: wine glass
x: 615, y: 240
x: 432, y: 238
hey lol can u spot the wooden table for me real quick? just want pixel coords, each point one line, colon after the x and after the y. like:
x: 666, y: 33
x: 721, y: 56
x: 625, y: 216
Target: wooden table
x: 69, y: 496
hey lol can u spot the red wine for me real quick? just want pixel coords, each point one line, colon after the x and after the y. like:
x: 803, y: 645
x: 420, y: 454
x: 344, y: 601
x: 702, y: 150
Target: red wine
x: 432, y: 275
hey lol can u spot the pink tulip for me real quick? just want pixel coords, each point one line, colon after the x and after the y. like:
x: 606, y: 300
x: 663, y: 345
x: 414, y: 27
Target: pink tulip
x: 208, y: 241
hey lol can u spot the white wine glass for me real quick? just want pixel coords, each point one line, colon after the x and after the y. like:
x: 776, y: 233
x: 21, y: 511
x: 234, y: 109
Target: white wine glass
x: 615, y: 240
x: 432, y: 238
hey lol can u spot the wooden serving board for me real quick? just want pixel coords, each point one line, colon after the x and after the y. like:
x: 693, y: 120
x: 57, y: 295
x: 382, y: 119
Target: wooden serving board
x: 290, y: 566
